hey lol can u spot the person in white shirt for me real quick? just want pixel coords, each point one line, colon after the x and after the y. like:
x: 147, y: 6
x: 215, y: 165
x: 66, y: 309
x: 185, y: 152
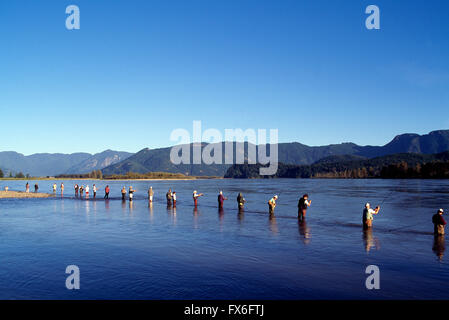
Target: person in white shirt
x: 367, y: 217
x: 87, y: 191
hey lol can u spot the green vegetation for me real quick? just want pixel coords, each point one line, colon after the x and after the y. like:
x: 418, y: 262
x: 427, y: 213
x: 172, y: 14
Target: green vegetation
x: 97, y: 174
x: 150, y: 175
x: 20, y: 175
x: 404, y: 165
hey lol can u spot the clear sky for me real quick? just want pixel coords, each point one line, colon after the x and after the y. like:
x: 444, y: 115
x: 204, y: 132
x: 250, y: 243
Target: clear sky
x: 136, y: 70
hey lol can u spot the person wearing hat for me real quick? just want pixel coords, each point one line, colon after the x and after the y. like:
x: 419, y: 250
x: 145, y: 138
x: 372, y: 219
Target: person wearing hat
x: 131, y: 193
x: 272, y: 204
x: 368, y: 213
x: 169, y: 196
x: 241, y: 201
x: 221, y: 199
x: 196, y: 195
x: 123, y: 193
x: 439, y: 223
x: 303, y: 204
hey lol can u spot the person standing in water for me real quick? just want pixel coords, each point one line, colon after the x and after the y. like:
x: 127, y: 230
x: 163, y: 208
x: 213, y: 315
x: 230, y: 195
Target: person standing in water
x: 76, y: 190
x: 150, y: 194
x: 81, y: 190
x: 174, y: 199
x: 303, y: 204
x: 196, y: 195
x: 221, y: 199
x: 131, y: 193
x: 27, y: 188
x: 36, y: 188
x: 106, y: 192
x: 123, y: 193
x: 94, y: 189
x: 62, y: 188
x: 241, y: 201
x: 87, y: 191
x: 438, y: 223
x: 169, y: 196
x: 272, y: 204
x: 367, y: 217
x: 54, y: 187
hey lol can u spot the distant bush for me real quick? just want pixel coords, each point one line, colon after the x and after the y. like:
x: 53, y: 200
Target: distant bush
x: 20, y: 175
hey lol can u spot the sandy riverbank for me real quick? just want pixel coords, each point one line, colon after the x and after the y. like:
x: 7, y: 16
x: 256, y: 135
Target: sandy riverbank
x: 19, y: 194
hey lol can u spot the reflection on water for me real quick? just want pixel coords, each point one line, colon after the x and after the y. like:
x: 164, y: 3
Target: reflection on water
x: 273, y: 225
x: 304, y: 231
x: 439, y: 246
x: 368, y: 240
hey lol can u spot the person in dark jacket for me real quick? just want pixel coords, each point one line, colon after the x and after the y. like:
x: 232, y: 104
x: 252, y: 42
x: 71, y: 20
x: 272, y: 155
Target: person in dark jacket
x: 169, y: 197
x: 303, y: 204
x: 221, y: 199
x: 241, y: 201
x: 438, y: 223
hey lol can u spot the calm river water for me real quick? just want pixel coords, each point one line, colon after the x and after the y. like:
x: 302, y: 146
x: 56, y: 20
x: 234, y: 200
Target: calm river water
x: 139, y: 251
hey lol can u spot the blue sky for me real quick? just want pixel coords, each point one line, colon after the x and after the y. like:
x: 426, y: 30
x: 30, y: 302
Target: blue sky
x: 136, y: 70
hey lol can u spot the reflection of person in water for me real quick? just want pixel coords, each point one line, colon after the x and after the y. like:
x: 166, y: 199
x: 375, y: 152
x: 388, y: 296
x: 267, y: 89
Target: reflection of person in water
x: 439, y: 246
x: 369, y: 241
x: 273, y: 224
x: 304, y: 231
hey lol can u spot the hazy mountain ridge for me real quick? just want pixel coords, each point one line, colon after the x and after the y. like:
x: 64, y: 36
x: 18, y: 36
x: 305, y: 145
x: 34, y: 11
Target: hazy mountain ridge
x: 45, y: 164
x: 99, y: 161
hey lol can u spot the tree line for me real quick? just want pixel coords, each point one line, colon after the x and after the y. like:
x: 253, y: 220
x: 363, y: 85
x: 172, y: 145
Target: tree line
x: 399, y: 166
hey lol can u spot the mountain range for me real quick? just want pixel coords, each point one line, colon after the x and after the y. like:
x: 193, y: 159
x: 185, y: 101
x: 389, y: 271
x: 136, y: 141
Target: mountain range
x: 51, y: 164
x: 289, y: 153
x: 146, y: 160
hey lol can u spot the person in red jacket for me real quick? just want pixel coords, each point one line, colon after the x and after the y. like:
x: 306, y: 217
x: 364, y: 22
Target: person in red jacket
x: 106, y: 192
x: 221, y: 199
x: 438, y: 223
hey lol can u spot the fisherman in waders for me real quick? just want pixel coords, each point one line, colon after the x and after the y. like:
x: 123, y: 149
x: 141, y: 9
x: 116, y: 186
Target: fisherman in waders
x: 131, y: 193
x: 123, y: 193
x: 303, y: 204
x: 438, y: 223
x: 272, y: 204
x: 221, y: 199
x: 106, y: 192
x: 368, y: 215
x: 195, y: 197
x: 241, y: 201
x: 174, y: 199
x: 169, y: 196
